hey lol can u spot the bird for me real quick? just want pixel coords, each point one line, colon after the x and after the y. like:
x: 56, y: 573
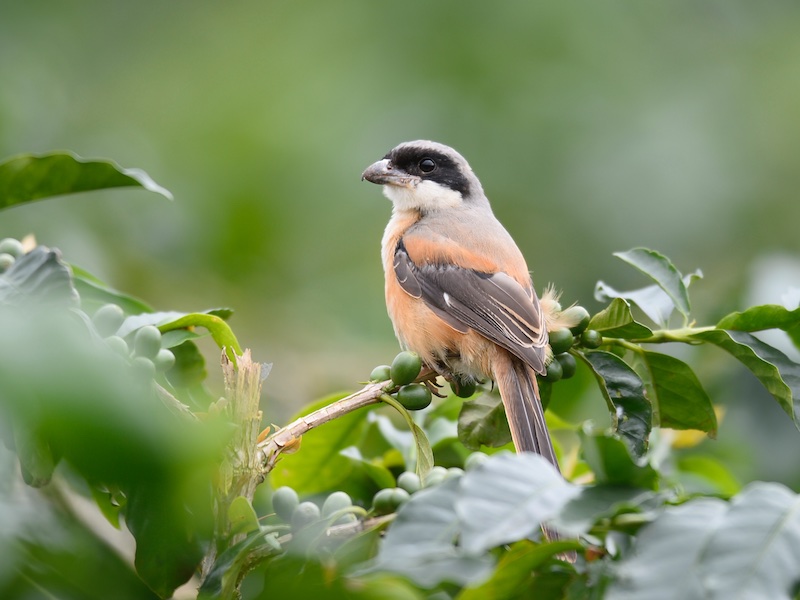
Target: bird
x: 458, y: 289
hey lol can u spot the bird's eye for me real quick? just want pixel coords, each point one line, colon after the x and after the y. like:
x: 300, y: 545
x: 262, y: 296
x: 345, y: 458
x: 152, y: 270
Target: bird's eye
x: 426, y: 165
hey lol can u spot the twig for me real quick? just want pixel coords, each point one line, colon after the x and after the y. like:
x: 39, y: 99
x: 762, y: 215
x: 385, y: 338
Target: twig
x: 287, y: 438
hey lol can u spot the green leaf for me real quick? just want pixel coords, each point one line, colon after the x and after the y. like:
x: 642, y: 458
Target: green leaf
x: 617, y: 321
x: 512, y: 579
x: 169, y: 321
x: 95, y: 293
x: 424, y: 453
x: 758, y: 318
x: 625, y: 394
x: 715, y: 476
x: 596, y: 502
x: 661, y: 270
x: 667, y: 550
x: 188, y: 374
x: 242, y: 517
x: 679, y: 399
x: 294, y: 577
x: 441, y: 432
x: 110, y: 426
x: 379, y: 474
x: 748, y: 548
x: 507, y: 498
x: 483, y: 422
x: 222, y: 578
x: 794, y: 335
x: 36, y: 458
x: 779, y: 374
x: 359, y: 548
x: 29, y: 177
x: 612, y: 463
x: 104, y: 501
x: 39, y: 277
x: 420, y: 543
x: 168, y: 551
x: 176, y: 337
x: 383, y: 434
x: 319, y: 466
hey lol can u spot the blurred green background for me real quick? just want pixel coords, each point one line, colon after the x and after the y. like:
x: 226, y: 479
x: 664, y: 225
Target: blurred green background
x: 594, y: 127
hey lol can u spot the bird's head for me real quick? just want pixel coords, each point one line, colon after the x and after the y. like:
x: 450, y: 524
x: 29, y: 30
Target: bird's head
x: 425, y: 176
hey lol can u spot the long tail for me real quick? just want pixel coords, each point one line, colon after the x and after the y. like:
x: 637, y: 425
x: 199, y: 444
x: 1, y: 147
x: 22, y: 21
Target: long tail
x: 520, y: 394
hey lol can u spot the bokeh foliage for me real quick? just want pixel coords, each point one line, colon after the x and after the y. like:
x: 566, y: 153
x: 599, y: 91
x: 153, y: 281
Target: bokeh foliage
x: 90, y: 407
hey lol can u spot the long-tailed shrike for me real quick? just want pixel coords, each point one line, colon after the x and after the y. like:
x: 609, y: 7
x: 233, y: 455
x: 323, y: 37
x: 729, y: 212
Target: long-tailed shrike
x: 458, y: 290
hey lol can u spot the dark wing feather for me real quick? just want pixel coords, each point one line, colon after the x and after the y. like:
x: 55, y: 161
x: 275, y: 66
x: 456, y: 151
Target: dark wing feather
x: 493, y: 304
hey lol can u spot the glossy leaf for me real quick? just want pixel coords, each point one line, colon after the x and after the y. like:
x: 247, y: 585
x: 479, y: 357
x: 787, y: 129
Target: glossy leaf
x: 715, y: 476
x: 652, y: 300
x: 512, y: 579
x: 612, y: 463
x: 758, y: 318
x: 616, y: 320
x: 379, y: 474
x: 38, y: 277
x: 707, y: 548
x: 188, y: 374
x: 424, y: 454
x: 507, y: 498
x: 319, y: 465
x: 677, y: 395
x: 241, y: 516
x: 37, y: 460
x: 167, y: 549
x: 420, y: 544
x: 605, y: 501
x: 94, y: 293
x: 779, y: 374
x: 625, y: 394
x: 483, y: 422
x: 169, y: 321
x: 222, y: 578
x: 29, y: 177
x: 661, y: 270
x: 664, y: 564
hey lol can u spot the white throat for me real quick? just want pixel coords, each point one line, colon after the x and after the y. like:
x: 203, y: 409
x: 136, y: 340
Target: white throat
x: 425, y: 196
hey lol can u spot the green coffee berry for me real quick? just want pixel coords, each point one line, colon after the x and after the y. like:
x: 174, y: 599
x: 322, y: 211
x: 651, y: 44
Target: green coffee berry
x: 118, y: 345
x: 591, y: 339
x: 580, y: 316
x: 389, y: 500
x: 164, y: 360
x: 380, y: 373
x: 414, y: 396
x: 304, y: 514
x: 108, y: 319
x: 12, y: 247
x: 568, y: 365
x: 475, y: 460
x: 463, y: 387
x: 405, y: 367
x: 284, y: 501
x: 561, y: 340
x: 147, y: 341
x: 409, y: 482
x: 554, y: 372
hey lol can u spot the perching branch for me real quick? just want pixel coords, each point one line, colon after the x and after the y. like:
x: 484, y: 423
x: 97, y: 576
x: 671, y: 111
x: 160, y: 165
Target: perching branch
x: 287, y: 438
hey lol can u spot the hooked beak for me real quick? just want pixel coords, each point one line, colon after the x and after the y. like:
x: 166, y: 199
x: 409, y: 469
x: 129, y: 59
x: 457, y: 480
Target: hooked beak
x: 384, y: 173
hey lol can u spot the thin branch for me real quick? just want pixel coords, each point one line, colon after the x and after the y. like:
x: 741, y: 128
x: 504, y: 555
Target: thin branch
x: 287, y: 438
